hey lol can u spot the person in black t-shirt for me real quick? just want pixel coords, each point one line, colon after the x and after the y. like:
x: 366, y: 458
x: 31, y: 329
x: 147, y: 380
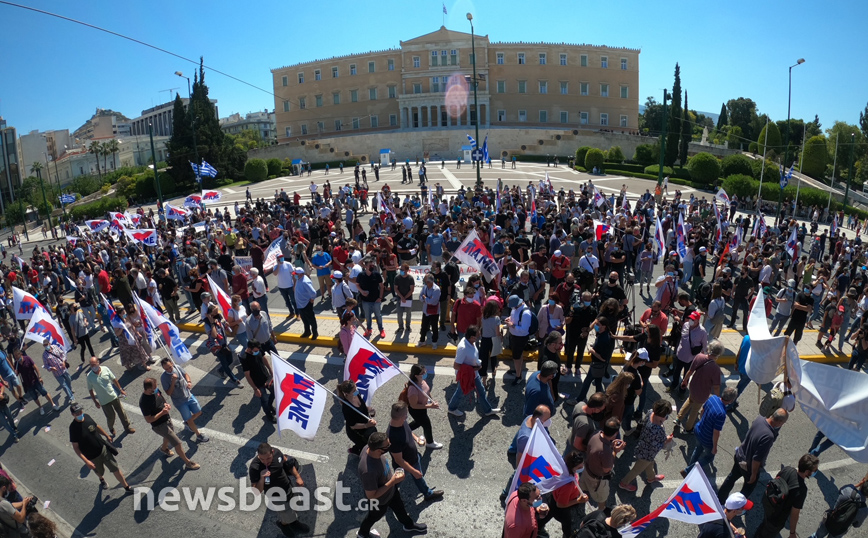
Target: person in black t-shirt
x: 803, y: 305
x: 84, y: 434
x: 258, y: 374
x: 156, y: 412
x: 775, y: 519
x: 271, y: 469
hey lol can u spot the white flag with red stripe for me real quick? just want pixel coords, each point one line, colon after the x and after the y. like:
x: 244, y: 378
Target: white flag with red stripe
x: 170, y: 333
x: 541, y: 463
x: 299, y: 400
x: 41, y: 326
x: 24, y: 305
x: 367, y: 367
x: 222, y: 298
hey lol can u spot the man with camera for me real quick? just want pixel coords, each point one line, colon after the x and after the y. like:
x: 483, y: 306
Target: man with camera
x: 13, y: 514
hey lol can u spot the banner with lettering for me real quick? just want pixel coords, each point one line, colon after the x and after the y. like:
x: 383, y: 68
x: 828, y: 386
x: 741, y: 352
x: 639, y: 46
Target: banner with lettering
x: 541, y: 463
x: 24, y: 305
x: 271, y: 254
x: 246, y: 264
x: 42, y: 327
x: 367, y: 367
x: 300, y: 400
x: 474, y: 253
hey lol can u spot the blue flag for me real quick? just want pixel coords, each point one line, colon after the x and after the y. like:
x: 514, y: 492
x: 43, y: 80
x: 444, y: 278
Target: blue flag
x: 472, y: 141
x: 67, y: 198
x: 485, y: 149
x: 207, y: 170
x: 785, y: 180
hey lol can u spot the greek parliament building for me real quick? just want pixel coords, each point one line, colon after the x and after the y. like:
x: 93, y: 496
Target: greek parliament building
x: 425, y: 86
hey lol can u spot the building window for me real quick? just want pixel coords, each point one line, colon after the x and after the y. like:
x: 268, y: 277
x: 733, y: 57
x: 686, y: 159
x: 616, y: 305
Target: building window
x: 435, y: 84
x: 583, y: 118
x: 317, y: 74
x: 320, y: 127
x: 565, y: 116
x: 393, y: 120
x: 522, y: 115
x: 434, y: 58
x: 337, y: 125
x: 286, y: 106
x: 453, y: 57
x: 501, y: 86
x: 604, y: 119
x: 543, y: 116
x: 372, y: 94
x: 336, y: 98
x: 520, y: 58
x: 304, y: 128
x: 284, y: 80
x: 334, y: 72
x: 522, y: 86
x: 625, y: 92
x: 319, y: 100
x: 288, y: 132
x: 353, y: 69
x: 584, y: 60
x: 604, y: 90
x: 472, y: 59
x: 444, y: 59
x: 563, y: 58
x: 354, y: 96
x: 371, y: 67
x: 355, y: 123
x: 417, y: 87
x: 301, y: 78
x: 416, y: 63
x: 375, y: 121
x: 301, y: 103
x: 390, y: 64
x: 543, y: 86
x: 564, y: 88
x: 623, y: 120
x: 499, y: 58
x: 583, y: 88
x: 623, y: 64
x: 542, y: 58
x: 393, y: 92
x: 501, y: 115
x: 604, y: 62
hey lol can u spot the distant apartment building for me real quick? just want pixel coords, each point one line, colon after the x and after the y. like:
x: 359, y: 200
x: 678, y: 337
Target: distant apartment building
x: 264, y: 122
x: 103, y: 124
x: 426, y: 83
x: 10, y: 167
x: 160, y: 118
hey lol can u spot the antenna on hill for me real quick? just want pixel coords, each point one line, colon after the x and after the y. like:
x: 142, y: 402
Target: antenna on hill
x: 170, y: 90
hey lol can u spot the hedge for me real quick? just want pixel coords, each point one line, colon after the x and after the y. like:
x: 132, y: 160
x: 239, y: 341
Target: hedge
x: 98, y: 208
x: 743, y: 186
x: 680, y: 173
x: 736, y: 164
x: 274, y: 166
x: 594, y: 159
x: 538, y: 158
x: 646, y: 154
x: 615, y: 154
x: 580, y: 154
x: 255, y: 170
x: 636, y: 168
x: 704, y: 168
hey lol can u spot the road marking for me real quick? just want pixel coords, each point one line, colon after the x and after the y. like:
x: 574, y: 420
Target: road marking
x: 230, y: 191
x: 671, y: 484
x: 236, y: 440
x: 450, y: 177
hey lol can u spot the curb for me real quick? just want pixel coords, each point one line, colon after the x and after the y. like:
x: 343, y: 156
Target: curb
x: 449, y: 349
x: 64, y: 529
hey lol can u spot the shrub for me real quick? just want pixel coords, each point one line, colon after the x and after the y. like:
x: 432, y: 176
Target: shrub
x: 741, y: 185
x: 704, y: 168
x: 646, y: 154
x: 774, y: 139
x: 126, y: 186
x: 274, y: 167
x: 816, y: 156
x: 615, y: 154
x: 580, y: 155
x: 255, y: 170
x: 623, y: 167
x: 735, y: 165
x: 771, y: 168
x: 98, y: 208
x: 753, y: 147
x: 594, y: 158
x: 654, y: 170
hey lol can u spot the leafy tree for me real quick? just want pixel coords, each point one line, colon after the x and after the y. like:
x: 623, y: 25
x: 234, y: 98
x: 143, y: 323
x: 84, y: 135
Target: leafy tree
x: 816, y: 155
x: 247, y: 139
x: 771, y: 169
x: 274, y: 167
x: 736, y: 164
x: 594, y: 158
x: 741, y: 185
x: 863, y: 121
x: 845, y: 134
x: 113, y: 147
x: 84, y: 185
x: 674, y: 134
x: 650, y: 120
x: 741, y: 112
x: 256, y: 170
x: 734, y: 137
x: 814, y: 127
x: 31, y: 191
x: 704, y: 168
x: 646, y: 154
x: 686, y: 133
x: 580, y: 155
x: 722, y: 119
x: 753, y: 147
x: 773, y: 143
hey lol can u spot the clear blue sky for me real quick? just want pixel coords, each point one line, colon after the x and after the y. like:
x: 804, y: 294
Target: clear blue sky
x: 55, y: 73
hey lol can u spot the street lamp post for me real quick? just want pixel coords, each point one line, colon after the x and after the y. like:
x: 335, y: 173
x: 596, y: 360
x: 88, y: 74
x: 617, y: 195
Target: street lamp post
x: 156, y: 174
x: 192, y: 123
x: 800, y: 61
x: 475, y: 98
x: 850, y: 173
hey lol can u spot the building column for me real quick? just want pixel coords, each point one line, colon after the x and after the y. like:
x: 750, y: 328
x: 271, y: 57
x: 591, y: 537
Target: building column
x: 448, y: 116
x: 487, y: 115
x: 437, y: 112
x: 402, y: 117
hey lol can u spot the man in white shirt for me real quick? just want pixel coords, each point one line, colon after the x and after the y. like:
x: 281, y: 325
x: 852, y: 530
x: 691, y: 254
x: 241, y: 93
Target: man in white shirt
x: 285, y: 283
x: 313, y: 188
x: 467, y: 364
x: 259, y: 290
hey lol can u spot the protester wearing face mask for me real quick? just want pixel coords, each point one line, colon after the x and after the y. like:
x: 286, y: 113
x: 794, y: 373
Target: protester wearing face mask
x: 403, y: 288
x: 750, y: 456
x: 601, y: 355
x: 360, y: 423
x: 776, y: 517
x: 105, y: 391
x: 466, y: 313
x: 257, y: 371
x: 90, y: 443
x: 217, y: 343
x: 651, y: 442
x: 418, y: 398
x: 372, y: 290
x: 694, y: 340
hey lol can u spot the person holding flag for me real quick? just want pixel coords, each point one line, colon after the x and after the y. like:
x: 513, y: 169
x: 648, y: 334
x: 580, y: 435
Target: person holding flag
x: 360, y: 424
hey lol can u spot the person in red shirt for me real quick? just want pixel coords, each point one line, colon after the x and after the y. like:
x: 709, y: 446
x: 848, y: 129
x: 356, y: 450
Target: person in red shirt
x: 239, y: 286
x: 466, y: 313
x: 102, y: 278
x: 655, y: 316
x: 560, y: 265
x: 521, y: 516
x: 565, y: 497
x: 565, y: 290
x: 339, y: 257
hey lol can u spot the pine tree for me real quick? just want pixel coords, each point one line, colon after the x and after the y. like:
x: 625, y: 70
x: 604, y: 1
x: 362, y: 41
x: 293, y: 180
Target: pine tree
x: 722, y: 119
x: 863, y: 121
x: 180, y: 146
x: 686, y: 133
x: 674, y: 121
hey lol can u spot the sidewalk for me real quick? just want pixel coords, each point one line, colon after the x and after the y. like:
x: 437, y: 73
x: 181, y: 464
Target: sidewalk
x: 289, y: 331
x: 64, y: 529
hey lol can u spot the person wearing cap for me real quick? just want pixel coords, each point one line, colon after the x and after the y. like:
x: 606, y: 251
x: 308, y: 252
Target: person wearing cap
x: 735, y: 505
x: 560, y: 264
x: 699, y: 263
x: 285, y: 284
x: 304, y: 297
x: 833, y: 319
x: 91, y: 443
x: 694, y: 340
x: 340, y: 292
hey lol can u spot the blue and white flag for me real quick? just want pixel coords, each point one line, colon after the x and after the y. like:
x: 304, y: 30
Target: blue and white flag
x: 444, y: 9
x: 207, y: 170
x: 785, y: 180
x: 681, y: 234
x: 485, y: 149
x: 195, y: 168
x: 67, y: 198
x: 472, y: 141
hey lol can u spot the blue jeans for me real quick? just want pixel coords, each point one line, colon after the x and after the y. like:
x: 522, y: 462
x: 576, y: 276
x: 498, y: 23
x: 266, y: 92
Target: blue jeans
x: 820, y: 444
x: 701, y: 454
x: 455, y: 401
x: 65, y: 382
x: 779, y: 321
x: 263, y: 302
x: 7, y: 421
x: 225, y: 358
x: 372, y: 308
x: 266, y: 400
x: 421, y: 485
x: 842, y: 332
x: 289, y: 298
x: 242, y: 339
x: 106, y: 321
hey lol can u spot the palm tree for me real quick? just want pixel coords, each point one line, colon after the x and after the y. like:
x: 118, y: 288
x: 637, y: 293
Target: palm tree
x: 114, y: 148
x: 96, y: 148
x: 36, y: 168
x: 105, y: 153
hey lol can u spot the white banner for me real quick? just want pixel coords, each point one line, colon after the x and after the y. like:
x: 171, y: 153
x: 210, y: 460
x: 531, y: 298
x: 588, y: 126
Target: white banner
x: 367, y: 367
x: 766, y: 351
x: 210, y: 197
x: 271, y: 255
x: 246, y: 264
x: 474, y: 253
x: 42, y: 326
x: 25, y: 305
x: 300, y: 400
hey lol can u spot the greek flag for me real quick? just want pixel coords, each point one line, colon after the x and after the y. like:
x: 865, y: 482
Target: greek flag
x: 785, y: 179
x: 207, y: 170
x: 67, y: 198
x: 444, y: 9
x: 472, y: 141
x: 485, y: 149
x: 195, y: 169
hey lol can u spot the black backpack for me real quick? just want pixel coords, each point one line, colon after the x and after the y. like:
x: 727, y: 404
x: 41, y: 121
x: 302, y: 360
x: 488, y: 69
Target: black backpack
x: 777, y: 498
x: 841, y: 516
x: 592, y: 529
